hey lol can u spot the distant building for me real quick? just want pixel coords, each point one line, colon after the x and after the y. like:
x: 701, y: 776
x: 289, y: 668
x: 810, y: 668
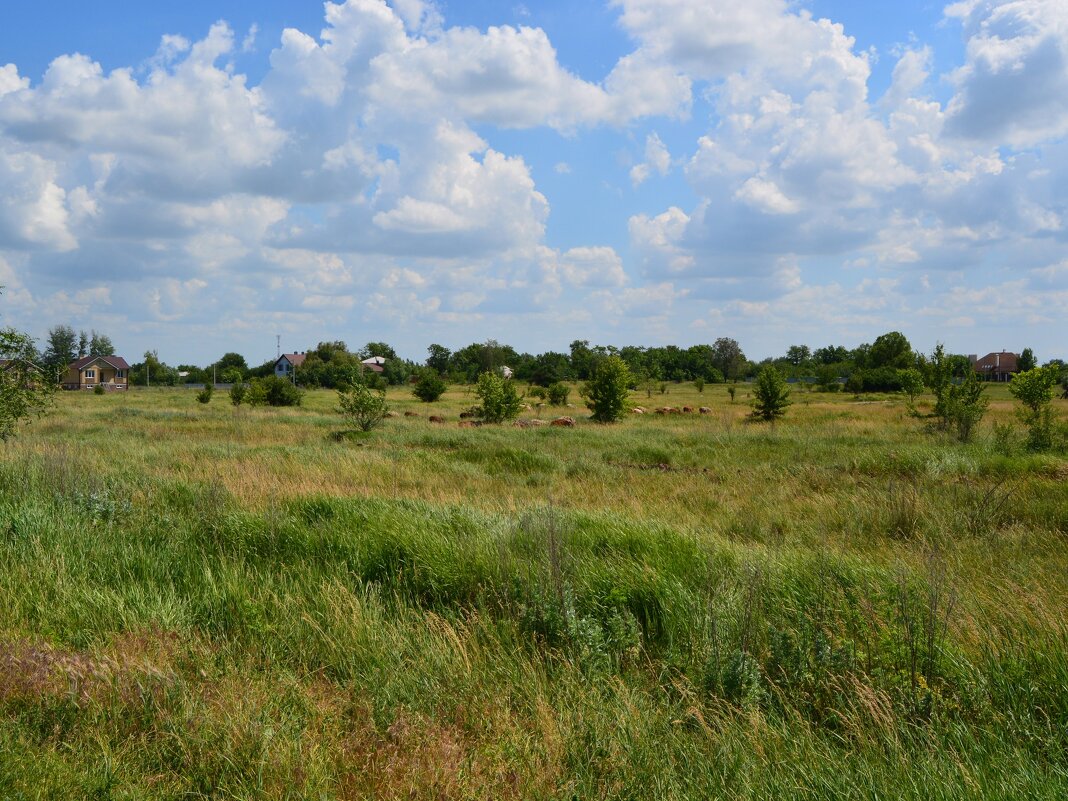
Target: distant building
x: 506, y: 372
x: 376, y: 364
x: 286, y: 364
x: 110, y: 372
x: 996, y: 366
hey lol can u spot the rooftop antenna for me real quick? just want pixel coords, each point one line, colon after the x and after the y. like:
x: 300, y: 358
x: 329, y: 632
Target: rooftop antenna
x: 278, y: 341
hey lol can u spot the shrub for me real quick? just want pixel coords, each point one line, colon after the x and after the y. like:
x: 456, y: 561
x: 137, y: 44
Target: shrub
x: 99, y: 389
x: 538, y: 392
x: 362, y: 406
x: 607, y: 390
x: 273, y: 391
x: 430, y: 387
x: 700, y: 384
x: 855, y: 383
x: 238, y: 392
x: 1034, y: 389
x: 772, y: 395
x: 966, y: 405
x: 204, y: 396
x: 911, y: 385
x: 732, y: 391
x: 558, y: 393
x: 499, y: 399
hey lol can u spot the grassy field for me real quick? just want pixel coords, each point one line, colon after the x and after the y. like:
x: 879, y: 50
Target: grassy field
x: 203, y: 602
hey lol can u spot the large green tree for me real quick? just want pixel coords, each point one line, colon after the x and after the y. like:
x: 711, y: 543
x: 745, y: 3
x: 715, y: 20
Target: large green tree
x: 60, y: 350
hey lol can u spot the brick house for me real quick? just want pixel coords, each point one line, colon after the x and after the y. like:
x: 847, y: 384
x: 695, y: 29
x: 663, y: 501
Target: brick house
x: 1000, y: 366
x: 111, y: 372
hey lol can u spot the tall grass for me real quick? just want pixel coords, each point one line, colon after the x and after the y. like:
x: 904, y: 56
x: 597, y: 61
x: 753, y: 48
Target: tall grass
x: 235, y: 605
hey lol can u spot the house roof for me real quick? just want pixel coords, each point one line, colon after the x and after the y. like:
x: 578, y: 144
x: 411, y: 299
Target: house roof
x: 5, y: 363
x: 375, y: 360
x: 1002, y: 362
x: 117, y: 362
x: 295, y: 359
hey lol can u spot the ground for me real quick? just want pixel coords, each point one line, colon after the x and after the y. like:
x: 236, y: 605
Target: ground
x: 203, y: 601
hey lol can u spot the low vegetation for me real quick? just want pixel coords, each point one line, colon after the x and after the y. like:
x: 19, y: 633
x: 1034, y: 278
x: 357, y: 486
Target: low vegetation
x: 231, y: 602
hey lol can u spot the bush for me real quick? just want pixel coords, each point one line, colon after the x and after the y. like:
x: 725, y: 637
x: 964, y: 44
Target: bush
x: 273, y: 391
x: 499, y: 399
x: 911, y: 385
x: 538, y: 392
x: 700, y: 384
x: 965, y: 405
x: 771, y: 393
x: 204, y: 396
x: 99, y: 389
x: 430, y: 387
x: 558, y: 394
x: 238, y: 392
x: 1034, y: 389
x: 362, y: 406
x: 607, y: 391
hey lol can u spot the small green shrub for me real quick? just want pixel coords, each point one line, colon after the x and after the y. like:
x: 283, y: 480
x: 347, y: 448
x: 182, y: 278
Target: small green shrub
x: 204, y: 396
x: 558, y: 393
x: 772, y: 395
x: 699, y: 383
x: 607, y: 390
x: 238, y: 393
x: 273, y: 391
x: 430, y: 387
x: 99, y: 389
x: 499, y: 399
x: 362, y: 406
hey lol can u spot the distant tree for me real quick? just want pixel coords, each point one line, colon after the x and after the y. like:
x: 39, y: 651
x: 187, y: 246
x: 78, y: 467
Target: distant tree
x: 891, y: 350
x: 61, y: 350
x: 771, y: 395
x: 438, y: 359
x: 699, y: 384
x: 499, y: 401
x: 238, y: 392
x: 83, y: 344
x: 377, y: 349
x: 582, y: 359
x: 232, y: 375
x: 273, y: 391
x: 728, y: 357
x: 827, y: 377
x: 798, y: 355
x: 100, y: 345
x: 232, y: 361
x: 1026, y: 361
x: 362, y: 406
x: 24, y: 393
x: 607, y: 391
x: 832, y: 354
x: 430, y: 386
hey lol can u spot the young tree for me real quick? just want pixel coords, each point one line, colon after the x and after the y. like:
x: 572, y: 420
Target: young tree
x: 61, y: 349
x: 83, y: 344
x: 911, y: 385
x: 499, y: 401
x: 238, y: 392
x: 1034, y: 389
x: 438, y: 359
x: 362, y: 406
x: 940, y: 380
x: 558, y: 393
x: 429, y: 387
x: 1026, y: 361
x: 966, y: 405
x: 204, y: 396
x: 607, y: 391
x: 24, y: 392
x: 771, y: 395
x: 100, y: 345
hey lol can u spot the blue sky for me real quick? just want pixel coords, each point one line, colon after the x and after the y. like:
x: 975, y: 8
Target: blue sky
x: 196, y: 178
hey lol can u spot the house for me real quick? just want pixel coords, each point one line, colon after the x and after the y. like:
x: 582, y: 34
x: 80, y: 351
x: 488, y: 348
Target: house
x: 111, y: 372
x: 287, y: 364
x: 376, y: 364
x: 996, y: 366
x: 29, y: 372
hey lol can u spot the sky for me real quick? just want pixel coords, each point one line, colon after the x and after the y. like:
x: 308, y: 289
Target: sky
x: 202, y: 177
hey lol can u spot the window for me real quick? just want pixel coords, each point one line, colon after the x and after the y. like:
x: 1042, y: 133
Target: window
x: 90, y: 373
x: 120, y: 374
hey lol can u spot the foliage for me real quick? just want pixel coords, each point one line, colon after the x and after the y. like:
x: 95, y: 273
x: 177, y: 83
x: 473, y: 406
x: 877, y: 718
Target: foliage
x: 558, y: 394
x: 966, y: 404
x: 61, y: 349
x: 911, y: 384
x: 238, y: 392
x: 699, y: 384
x: 827, y: 378
x: 1034, y: 389
x: 153, y: 372
x: 1027, y: 361
x: 438, y: 358
x: 891, y: 350
x: 607, y: 391
x: 771, y: 395
x: 100, y: 345
x: 204, y: 395
x: 273, y: 391
x: 499, y: 401
x: 855, y: 382
x: 362, y: 406
x: 24, y: 392
x: 99, y: 390
x: 430, y: 386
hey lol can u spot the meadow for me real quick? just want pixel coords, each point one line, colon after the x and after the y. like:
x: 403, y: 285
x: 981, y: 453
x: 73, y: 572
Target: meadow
x: 209, y: 602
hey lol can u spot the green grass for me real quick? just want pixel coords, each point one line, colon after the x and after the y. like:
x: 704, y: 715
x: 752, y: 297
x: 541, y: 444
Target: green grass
x: 198, y: 602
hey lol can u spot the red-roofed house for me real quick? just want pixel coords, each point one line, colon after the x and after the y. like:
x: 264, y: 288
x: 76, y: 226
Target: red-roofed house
x: 111, y: 372
x: 996, y: 366
x: 286, y: 364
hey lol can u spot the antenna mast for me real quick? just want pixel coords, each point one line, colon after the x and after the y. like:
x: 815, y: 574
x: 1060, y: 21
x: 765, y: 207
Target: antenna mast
x: 278, y: 344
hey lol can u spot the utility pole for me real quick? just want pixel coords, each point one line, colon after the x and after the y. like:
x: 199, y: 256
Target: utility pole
x: 278, y: 339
